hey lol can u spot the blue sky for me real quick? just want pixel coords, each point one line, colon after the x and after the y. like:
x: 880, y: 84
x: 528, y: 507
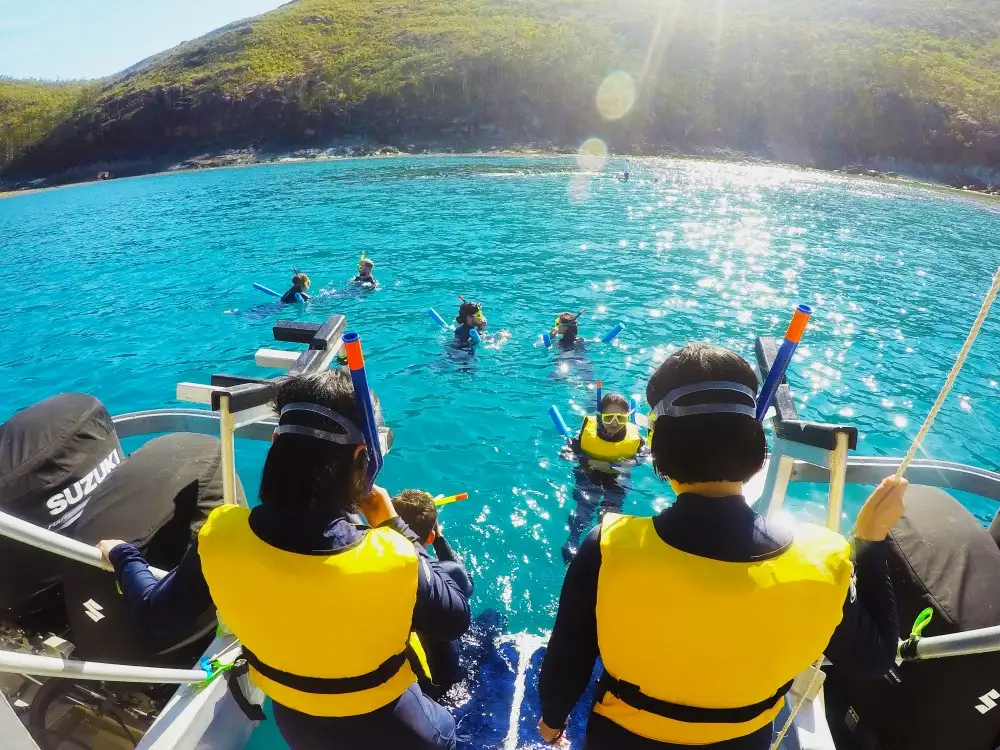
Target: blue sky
x: 94, y: 38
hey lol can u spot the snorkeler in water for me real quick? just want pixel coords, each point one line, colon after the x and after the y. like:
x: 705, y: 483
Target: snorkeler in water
x: 567, y: 328
x: 607, y: 448
x: 364, y: 277
x: 470, y: 317
x: 300, y: 285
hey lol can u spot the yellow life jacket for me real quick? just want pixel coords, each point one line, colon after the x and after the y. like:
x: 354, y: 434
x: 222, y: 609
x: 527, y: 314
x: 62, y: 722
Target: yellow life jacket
x: 683, y: 636
x: 599, y: 449
x: 326, y: 634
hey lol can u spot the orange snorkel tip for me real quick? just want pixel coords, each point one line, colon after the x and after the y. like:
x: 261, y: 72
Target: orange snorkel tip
x: 800, y: 319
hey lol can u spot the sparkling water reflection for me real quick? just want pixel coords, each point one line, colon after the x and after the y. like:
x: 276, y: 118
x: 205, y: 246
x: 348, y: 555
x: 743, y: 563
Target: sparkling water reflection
x: 122, y: 289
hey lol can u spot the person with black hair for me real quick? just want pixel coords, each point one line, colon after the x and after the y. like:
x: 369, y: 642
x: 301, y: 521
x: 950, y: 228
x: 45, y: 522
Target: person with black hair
x: 607, y: 448
x: 470, y: 317
x: 567, y: 328
x: 326, y: 610
x: 703, y: 614
x: 417, y: 509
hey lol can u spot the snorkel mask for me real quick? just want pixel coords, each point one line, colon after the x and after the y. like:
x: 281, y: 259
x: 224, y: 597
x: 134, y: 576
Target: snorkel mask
x: 666, y: 407
x: 291, y: 415
x: 569, y: 321
x: 470, y: 309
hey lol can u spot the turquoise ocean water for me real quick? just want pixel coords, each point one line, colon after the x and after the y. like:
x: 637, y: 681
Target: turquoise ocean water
x: 122, y: 289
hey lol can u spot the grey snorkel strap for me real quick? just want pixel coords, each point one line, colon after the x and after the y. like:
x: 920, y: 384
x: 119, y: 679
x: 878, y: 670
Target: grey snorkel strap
x: 666, y: 406
x: 350, y: 436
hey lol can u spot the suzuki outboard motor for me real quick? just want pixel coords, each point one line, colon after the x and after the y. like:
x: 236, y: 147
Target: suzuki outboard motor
x: 53, y: 458
x: 940, y: 557
x: 157, y: 499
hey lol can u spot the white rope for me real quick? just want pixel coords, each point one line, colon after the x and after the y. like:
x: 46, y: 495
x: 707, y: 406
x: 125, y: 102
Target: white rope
x: 817, y: 666
x: 955, y: 369
x: 907, y: 460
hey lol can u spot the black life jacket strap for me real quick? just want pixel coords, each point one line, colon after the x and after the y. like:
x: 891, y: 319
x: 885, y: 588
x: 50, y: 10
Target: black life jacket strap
x: 250, y: 709
x: 330, y: 685
x: 630, y: 694
x: 415, y: 664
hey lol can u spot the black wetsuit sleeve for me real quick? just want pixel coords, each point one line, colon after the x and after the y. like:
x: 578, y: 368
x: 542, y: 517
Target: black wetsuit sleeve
x: 444, y: 551
x: 572, y: 652
x: 442, y: 607
x: 169, y: 606
x: 864, y: 643
x: 451, y: 565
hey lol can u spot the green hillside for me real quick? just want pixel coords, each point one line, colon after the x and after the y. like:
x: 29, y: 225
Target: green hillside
x: 818, y: 81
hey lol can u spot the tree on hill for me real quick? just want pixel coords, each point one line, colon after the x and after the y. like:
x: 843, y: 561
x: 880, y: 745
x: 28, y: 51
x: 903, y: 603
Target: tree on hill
x: 824, y: 82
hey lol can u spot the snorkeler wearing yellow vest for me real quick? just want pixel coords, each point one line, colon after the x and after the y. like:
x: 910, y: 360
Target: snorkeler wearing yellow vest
x: 325, y: 609
x: 703, y: 614
x: 607, y: 447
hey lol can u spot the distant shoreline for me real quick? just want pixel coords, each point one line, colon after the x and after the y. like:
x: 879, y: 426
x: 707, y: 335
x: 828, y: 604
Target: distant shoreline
x: 234, y: 160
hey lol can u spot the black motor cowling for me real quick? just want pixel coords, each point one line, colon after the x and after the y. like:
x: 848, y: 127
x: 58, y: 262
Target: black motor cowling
x: 158, y: 500
x: 53, y: 458
x: 939, y: 557
x: 62, y: 468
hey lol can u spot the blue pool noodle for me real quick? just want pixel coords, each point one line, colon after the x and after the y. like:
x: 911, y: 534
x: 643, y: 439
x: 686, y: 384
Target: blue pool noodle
x: 559, y: 422
x: 436, y: 318
x: 613, y: 333
x: 369, y: 426
x: 262, y: 288
x: 474, y: 335
x: 546, y: 339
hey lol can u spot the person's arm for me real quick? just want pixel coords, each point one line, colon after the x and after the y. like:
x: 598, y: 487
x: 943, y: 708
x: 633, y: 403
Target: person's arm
x: 442, y: 608
x: 864, y: 643
x: 572, y: 651
x: 444, y: 551
x: 168, y: 606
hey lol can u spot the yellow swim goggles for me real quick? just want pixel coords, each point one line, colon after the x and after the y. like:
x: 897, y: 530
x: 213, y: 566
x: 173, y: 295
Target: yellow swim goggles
x: 614, y: 419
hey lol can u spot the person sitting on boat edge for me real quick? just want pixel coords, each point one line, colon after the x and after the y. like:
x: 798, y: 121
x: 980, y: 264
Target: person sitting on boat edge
x: 418, y: 511
x: 364, y: 277
x: 300, y: 285
x: 470, y: 316
x: 704, y: 614
x: 301, y: 586
x: 607, y: 446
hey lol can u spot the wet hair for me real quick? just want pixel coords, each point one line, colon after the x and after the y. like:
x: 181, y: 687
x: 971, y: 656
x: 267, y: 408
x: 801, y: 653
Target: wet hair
x: 467, y: 309
x: 308, y: 473
x: 300, y: 280
x: 366, y: 262
x: 705, y: 447
x: 417, y: 508
x: 569, y: 320
x: 614, y: 399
